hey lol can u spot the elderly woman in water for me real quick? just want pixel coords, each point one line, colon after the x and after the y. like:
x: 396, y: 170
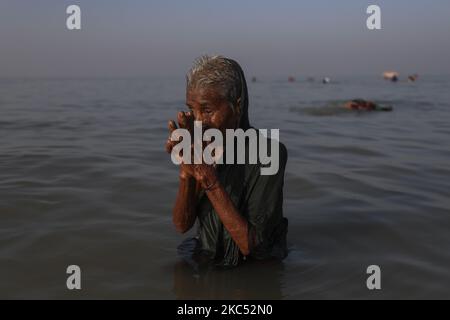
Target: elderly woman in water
x: 238, y: 210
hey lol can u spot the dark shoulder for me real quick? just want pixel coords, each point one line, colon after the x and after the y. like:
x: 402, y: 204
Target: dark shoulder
x: 283, y: 153
x: 282, y: 150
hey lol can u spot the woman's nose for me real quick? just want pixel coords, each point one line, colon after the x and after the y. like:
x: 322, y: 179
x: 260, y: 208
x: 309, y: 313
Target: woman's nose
x: 199, y: 117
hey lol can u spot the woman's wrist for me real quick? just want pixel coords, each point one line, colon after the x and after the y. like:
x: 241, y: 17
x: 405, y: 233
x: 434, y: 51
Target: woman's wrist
x: 211, y: 186
x: 184, y: 175
x: 210, y: 182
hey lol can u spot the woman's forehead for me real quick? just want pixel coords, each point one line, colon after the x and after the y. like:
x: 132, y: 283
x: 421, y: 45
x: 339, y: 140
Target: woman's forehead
x: 201, y: 95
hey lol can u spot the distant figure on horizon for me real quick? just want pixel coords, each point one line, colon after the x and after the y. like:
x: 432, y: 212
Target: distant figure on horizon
x: 291, y: 79
x: 363, y: 105
x: 391, y: 75
x: 413, y: 78
x: 326, y: 80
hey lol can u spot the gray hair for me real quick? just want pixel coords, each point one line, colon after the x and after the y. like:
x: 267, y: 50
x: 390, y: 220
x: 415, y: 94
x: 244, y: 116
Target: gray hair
x: 218, y: 72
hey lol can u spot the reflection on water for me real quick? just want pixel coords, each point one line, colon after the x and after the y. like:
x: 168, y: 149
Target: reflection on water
x: 254, y: 280
x: 196, y: 276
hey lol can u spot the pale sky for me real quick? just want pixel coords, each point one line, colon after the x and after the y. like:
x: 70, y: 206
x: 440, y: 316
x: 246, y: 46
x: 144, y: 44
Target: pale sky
x: 155, y: 38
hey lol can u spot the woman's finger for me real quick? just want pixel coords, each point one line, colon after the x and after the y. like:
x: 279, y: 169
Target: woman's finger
x: 182, y: 121
x: 172, y: 126
x: 169, y: 145
x: 190, y: 121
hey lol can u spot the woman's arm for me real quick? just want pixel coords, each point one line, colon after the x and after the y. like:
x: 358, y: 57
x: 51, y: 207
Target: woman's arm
x: 184, y: 211
x: 235, y: 223
x: 191, y: 178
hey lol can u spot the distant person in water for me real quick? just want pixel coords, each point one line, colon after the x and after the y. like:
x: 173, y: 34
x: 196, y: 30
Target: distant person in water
x: 413, y: 78
x: 238, y: 210
x: 391, y: 75
x: 363, y: 105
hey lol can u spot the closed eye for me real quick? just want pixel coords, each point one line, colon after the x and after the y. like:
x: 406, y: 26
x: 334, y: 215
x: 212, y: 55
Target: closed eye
x: 205, y: 108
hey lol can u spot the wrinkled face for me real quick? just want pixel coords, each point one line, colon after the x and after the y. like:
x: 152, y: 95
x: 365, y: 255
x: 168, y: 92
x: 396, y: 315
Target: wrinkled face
x: 208, y: 105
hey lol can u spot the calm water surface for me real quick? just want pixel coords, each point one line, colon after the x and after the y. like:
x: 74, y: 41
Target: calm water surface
x: 84, y: 180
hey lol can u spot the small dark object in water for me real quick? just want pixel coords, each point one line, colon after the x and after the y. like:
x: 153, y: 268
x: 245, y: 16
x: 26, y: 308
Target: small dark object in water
x: 291, y: 79
x: 363, y: 105
x: 384, y: 108
x: 391, y: 75
x: 413, y: 78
